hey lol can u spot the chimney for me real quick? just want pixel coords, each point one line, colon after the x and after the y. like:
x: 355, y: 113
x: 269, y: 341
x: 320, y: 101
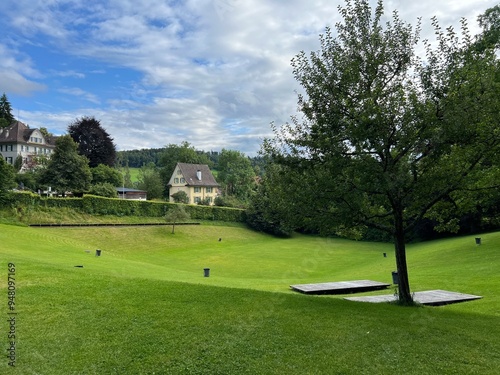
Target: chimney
x: 198, y: 175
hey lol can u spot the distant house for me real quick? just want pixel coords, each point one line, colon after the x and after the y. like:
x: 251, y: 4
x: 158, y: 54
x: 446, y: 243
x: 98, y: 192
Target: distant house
x: 126, y: 193
x: 20, y: 140
x: 196, y: 180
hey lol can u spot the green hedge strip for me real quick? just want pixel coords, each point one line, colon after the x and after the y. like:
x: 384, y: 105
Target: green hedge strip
x: 95, y: 205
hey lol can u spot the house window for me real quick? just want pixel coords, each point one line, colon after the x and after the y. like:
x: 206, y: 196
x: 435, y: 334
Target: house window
x: 179, y: 171
x: 183, y: 180
x: 9, y: 160
x: 197, y: 199
x: 197, y: 189
x: 176, y: 180
x: 209, y: 189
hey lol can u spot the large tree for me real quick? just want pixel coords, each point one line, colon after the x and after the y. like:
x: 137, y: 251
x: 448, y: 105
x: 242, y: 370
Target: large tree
x: 386, y: 137
x: 270, y: 205
x: 236, y: 174
x: 490, y: 23
x: 93, y: 141
x: 149, y: 180
x: 104, y: 174
x: 67, y: 170
x: 7, y: 175
x: 6, y: 117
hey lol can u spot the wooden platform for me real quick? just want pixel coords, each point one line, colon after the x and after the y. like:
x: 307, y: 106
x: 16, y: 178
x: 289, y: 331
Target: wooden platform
x: 340, y: 287
x: 429, y: 298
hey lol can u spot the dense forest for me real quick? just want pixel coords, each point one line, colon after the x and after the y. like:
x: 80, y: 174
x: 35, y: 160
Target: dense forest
x: 139, y: 158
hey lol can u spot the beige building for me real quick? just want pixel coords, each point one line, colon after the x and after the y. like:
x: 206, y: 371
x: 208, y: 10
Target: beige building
x: 196, y: 180
x: 20, y: 140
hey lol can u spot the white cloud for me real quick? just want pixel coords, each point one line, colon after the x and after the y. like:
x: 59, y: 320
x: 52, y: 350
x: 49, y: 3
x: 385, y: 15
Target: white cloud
x: 212, y: 72
x: 75, y: 91
x: 69, y: 73
x: 16, y: 73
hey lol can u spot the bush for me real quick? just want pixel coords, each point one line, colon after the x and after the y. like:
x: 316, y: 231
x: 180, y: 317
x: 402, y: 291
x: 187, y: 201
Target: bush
x: 180, y: 197
x: 230, y: 201
x: 103, y: 190
x: 204, y: 202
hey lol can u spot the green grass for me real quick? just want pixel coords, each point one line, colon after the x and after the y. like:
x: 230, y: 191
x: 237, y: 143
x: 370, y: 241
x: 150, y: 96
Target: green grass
x: 134, y: 174
x: 144, y: 307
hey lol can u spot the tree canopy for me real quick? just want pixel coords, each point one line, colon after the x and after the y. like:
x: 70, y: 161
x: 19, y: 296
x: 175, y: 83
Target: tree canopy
x: 149, y: 180
x: 93, y: 141
x: 490, y: 23
x: 236, y: 174
x: 7, y: 175
x: 6, y: 117
x: 387, y: 138
x: 176, y: 214
x: 105, y: 174
x: 66, y: 169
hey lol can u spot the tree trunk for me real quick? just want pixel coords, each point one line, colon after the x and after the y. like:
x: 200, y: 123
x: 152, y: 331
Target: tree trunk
x: 400, y: 249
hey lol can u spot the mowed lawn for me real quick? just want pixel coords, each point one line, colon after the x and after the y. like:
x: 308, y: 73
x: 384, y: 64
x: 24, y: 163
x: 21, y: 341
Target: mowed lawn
x: 144, y: 307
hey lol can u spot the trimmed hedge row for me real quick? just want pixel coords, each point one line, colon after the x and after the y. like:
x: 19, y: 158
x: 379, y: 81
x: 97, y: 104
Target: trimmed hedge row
x: 95, y: 205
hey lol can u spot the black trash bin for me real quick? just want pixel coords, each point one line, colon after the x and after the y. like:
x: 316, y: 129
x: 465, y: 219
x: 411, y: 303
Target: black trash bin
x: 478, y: 241
x: 98, y: 253
x: 395, y: 277
x: 206, y: 272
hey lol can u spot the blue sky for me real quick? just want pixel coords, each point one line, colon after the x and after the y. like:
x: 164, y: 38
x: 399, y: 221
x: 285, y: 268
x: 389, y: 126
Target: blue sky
x: 215, y: 73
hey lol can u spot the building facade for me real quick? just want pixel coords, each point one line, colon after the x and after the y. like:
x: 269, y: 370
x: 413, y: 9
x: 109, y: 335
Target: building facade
x: 196, y: 180
x: 20, y: 140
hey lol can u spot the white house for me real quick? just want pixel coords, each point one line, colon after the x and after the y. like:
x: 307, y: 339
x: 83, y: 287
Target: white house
x: 19, y: 140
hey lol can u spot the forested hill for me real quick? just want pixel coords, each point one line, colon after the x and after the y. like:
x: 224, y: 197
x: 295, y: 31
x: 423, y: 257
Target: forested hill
x: 138, y: 158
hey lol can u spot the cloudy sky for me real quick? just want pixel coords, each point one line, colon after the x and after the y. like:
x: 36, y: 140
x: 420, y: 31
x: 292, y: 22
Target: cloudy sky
x: 214, y: 73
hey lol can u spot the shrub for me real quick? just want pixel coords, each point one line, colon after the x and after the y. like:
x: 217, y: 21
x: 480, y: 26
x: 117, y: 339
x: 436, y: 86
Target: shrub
x: 180, y: 197
x: 103, y: 190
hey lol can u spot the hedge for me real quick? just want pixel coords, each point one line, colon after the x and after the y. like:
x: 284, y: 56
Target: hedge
x: 96, y: 205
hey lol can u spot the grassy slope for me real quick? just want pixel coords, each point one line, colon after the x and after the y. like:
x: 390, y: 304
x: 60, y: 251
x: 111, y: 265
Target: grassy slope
x: 134, y: 174
x: 145, y: 306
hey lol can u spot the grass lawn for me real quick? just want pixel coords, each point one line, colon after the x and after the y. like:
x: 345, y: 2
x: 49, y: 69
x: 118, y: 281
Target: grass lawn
x: 134, y: 174
x: 144, y: 307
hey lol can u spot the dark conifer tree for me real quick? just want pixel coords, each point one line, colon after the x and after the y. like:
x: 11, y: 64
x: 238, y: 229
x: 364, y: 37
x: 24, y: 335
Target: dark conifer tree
x: 6, y: 117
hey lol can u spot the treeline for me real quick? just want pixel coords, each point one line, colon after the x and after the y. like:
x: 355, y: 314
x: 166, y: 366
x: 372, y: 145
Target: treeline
x: 145, y: 156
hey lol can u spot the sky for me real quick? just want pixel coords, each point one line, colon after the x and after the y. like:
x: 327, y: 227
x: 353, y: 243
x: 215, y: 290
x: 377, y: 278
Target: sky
x: 214, y: 73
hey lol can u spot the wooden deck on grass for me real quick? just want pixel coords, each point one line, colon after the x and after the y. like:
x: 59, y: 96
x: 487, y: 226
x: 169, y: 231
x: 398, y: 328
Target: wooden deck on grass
x: 429, y: 298
x: 340, y: 287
